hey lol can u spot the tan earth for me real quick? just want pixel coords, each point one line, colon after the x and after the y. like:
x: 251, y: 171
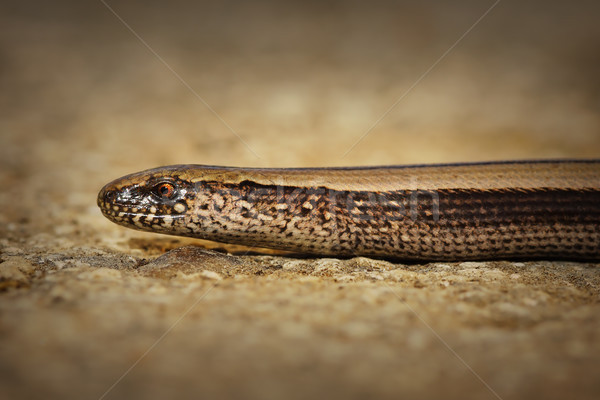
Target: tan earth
x: 91, y: 310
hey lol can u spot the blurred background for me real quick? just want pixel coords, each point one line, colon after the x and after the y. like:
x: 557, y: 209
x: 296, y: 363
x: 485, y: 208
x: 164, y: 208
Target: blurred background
x: 305, y: 83
x: 90, y: 91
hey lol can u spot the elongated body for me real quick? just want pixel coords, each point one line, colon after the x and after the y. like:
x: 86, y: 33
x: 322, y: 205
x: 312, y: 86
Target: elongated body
x: 496, y: 210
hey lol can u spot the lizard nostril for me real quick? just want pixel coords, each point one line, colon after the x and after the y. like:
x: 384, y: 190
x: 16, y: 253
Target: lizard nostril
x: 110, y: 196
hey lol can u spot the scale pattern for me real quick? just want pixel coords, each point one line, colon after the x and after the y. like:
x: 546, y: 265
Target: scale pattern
x: 440, y: 224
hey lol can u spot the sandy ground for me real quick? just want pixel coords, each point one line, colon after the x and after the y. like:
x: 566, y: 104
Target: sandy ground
x: 89, y: 309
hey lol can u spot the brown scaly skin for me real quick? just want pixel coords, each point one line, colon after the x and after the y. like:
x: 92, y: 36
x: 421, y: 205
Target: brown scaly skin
x: 449, y: 212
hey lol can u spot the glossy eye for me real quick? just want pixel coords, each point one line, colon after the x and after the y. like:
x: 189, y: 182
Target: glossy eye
x: 165, y: 190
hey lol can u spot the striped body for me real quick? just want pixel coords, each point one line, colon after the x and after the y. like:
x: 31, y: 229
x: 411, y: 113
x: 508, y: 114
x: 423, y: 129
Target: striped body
x: 502, y: 210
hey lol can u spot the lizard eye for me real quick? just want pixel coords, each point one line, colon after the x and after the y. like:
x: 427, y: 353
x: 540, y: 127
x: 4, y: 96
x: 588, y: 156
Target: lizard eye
x: 164, y: 190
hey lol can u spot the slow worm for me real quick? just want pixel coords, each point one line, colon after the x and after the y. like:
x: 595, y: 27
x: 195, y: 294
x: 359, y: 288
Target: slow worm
x: 493, y: 210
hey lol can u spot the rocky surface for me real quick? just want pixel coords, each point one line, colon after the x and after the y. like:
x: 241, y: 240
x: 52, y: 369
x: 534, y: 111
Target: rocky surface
x: 89, y: 309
